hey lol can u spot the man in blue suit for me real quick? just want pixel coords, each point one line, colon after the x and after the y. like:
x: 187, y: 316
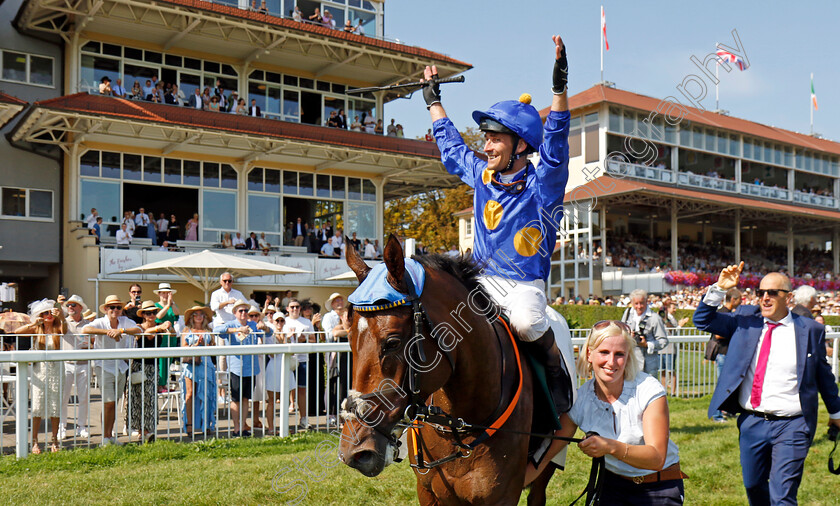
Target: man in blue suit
x: 774, y: 368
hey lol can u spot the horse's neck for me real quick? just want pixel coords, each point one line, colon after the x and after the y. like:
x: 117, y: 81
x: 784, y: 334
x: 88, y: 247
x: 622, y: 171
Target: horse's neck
x: 475, y: 386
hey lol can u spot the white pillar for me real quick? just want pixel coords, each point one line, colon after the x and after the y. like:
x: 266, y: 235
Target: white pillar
x: 72, y: 168
x: 379, y: 183
x: 72, y: 65
x: 738, y: 175
x: 242, y: 198
x: 790, y: 246
x: 675, y: 261
x: 737, y: 236
x: 791, y: 183
x: 603, y: 212
x: 22, y: 409
x: 835, y: 250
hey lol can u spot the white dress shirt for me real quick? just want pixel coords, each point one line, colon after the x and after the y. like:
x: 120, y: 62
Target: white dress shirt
x: 123, y: 237
x: 223, y: 314
x: 103, y: 342
x: 162, y: 225
x: 299, y: 330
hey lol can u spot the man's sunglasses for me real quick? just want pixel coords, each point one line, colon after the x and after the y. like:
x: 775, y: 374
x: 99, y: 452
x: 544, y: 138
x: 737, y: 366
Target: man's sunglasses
x: 773, y: 293
x: 241, y: 310
x: 227, y: 280
x: 71, y: 304
x: 294, y: 307
x: 114, y: 308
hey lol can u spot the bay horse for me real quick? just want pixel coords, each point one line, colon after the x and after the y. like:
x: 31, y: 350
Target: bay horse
x: 470, y: 380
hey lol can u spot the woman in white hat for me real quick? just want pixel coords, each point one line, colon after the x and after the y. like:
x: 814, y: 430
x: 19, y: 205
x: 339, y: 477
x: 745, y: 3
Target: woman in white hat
x: 272, y: 372
x: 167, y: 312
x: 143, y: 397
x: 48, y: 326
x: 199, y: 378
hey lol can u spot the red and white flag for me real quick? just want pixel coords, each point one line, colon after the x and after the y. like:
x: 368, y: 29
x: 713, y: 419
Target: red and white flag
x: 726, y: 56
x: 604, y: 28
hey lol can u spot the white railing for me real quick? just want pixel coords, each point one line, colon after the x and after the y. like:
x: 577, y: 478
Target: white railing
x: 814, y: 199
x: 693, y: 377
x: 641, y: 171
x: 711, y: 183
x: 769, y: 192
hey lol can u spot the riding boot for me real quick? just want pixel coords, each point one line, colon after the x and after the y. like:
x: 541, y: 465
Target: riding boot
x: 556, y: 375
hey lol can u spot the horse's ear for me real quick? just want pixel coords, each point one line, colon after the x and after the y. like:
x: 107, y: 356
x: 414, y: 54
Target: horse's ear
x: 355, y: 262
x: 394, y: 261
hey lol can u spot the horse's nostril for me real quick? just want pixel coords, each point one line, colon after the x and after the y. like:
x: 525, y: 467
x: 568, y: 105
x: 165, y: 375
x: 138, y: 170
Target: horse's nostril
x: 364, y: 458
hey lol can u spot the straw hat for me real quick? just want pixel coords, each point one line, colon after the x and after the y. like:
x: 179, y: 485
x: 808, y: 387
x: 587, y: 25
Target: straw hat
x: 208, y: 313
x: 147, y: 307
x: 89, y: 315
x: 254, y: 310
x: 111, y: 300
x: 78, y: 300
x: 278, y: 315
x: 270, y: 307
x: 334, y: 296
x: 165, y: 287
x: 239, y: 303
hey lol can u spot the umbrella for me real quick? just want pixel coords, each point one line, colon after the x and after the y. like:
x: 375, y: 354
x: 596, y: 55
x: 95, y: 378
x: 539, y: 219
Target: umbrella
x: 344, y: 276
x: 10, y: 321
x: 203, y: 269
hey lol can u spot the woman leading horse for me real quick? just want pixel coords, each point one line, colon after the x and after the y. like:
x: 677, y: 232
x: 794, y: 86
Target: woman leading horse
x: 432, y: 356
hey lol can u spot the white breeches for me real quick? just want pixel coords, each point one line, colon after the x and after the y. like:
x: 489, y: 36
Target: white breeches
x: 523, y: 302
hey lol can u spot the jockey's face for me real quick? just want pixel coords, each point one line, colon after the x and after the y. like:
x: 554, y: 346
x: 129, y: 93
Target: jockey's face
x: 499, y: 148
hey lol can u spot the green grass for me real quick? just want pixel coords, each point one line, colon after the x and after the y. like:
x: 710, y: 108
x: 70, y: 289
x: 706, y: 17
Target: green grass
x: 272, y: 470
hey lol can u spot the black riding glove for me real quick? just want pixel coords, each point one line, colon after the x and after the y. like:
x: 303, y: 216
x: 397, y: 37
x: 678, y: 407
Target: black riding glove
x: 431, y: 92
x: 560, y: 77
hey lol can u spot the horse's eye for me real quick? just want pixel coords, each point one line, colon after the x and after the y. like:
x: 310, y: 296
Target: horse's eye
x: 392, y: 343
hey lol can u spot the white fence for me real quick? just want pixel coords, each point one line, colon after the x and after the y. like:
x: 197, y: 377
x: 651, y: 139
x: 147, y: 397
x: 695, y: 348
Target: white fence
x: 692, y: 376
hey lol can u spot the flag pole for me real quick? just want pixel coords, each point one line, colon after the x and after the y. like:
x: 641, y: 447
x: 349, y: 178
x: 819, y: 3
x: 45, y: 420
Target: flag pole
x: 717, y: 85
x: 811, y: 104
x: 602, y: 43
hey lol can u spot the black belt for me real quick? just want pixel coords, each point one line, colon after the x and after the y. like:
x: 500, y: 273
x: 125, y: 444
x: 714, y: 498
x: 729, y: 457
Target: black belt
x: 770, y: 417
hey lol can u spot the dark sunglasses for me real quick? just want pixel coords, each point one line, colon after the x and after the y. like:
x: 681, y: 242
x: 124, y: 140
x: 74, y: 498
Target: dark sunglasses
x: 601, y: 325
x: 114, y: 307
x: 227, y: 280
x: 241, y: 310
x: 294, y: 307
x: 773, y: 293
x: 71, y: 304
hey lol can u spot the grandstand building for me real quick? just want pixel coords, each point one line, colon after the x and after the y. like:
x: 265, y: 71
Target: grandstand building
x: 67, y: 148
x: 657, y: 186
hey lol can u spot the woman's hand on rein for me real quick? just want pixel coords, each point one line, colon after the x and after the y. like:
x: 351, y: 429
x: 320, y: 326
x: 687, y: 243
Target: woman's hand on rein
x: 596, y: 446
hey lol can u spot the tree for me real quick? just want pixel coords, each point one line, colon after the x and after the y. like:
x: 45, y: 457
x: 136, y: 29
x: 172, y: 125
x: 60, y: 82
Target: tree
x: 427, y: 217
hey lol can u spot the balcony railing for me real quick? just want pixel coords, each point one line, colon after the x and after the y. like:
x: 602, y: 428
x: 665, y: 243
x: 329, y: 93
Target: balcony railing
x: 641, y: 171
x: 814, y: 200
x: 711, y: 183
x: 768, y: 192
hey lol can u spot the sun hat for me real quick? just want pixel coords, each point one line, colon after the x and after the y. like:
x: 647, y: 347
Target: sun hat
x: 147, y: 307
x: 78, y: 300
x: 111, y: 300
x: 208, y: 313
x: 239, y: 303
x: 40, y: 306
x: 334, y: 296
x: 165, y: 287
x: 253, y: 310
x: 89, y: 315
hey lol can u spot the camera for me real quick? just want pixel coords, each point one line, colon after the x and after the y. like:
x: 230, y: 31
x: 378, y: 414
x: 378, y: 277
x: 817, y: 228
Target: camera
x: 640, y: 333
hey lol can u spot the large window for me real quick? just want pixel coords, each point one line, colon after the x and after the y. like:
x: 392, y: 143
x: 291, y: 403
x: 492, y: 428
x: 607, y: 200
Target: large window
x: 26, y: 68
x: 360, y: 218
x: 218, y: 213
x: 25, y: 203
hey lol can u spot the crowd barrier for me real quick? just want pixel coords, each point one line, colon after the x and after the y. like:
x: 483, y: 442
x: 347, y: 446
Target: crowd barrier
x: 317, y: 395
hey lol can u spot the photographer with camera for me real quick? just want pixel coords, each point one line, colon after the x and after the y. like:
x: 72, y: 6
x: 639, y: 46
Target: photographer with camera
x: 135, y: 294
x: 647, y: 329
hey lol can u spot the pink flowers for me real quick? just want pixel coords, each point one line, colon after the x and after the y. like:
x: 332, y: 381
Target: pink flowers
x: 748, y: 280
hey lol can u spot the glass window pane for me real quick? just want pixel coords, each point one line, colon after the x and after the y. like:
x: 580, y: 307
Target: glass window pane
x: 211, y: 174
x: 354, y: 188
x: 263, y: 213
x: 257, y: 74
x: 151, y: 169
x: 192, y: 63
x: 40, y: 204
x: 697, y: 137
x: 368, y: 190
x: 14, y: 202
x: 138, y: 73
x: 273, y: 103
x: 41, y: 70
x: 94, y: 68
x: 175, y: 61
x: 306, y: 83
x: 93, y: 47
x: 322, y: 86
x: 153, y: 57
x: 290, y: 80
x: 255, y: 179
x: 256, y: 91
x: 192, y: 172
x: 210, y: 66
x: 111, y: 49
x: 360, y: 218
x: 291, y: 105
x: 306, y: 184
x: 219, y: 210
x: 272, y: 180
x: 228, y: 70
x: 322, y: 185
x: 290, y: 182
x: 104, y: 196
x: 338, y: 187
x: 188, y: 84
x: 132, y: 167
x: 14, y: 66
x: 172, y: 171
x: 629, y: 121
x: 110, y: 164
x: 615, y: 120
x: 89, y: 164
x: 274, y: 78
x: 134, y: 54
x: 229, y: 177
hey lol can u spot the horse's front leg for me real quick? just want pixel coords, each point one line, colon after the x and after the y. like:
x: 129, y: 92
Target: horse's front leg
x: 425, y: 496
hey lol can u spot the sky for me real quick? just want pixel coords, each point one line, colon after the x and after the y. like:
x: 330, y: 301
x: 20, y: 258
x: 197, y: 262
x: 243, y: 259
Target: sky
x: 651, y: 42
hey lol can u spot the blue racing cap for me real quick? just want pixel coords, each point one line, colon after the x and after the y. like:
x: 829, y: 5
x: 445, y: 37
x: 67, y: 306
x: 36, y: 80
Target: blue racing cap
x: 518, y: 116
x: 375, y: 293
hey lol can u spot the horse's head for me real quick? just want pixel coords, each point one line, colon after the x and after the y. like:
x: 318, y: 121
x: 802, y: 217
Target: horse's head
x: 379, y: 340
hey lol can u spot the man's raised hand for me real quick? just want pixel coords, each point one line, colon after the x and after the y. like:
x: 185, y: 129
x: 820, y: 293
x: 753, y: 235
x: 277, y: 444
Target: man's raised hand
x: 560, y: 76
x: 729, y: 276
x: 431, y: 91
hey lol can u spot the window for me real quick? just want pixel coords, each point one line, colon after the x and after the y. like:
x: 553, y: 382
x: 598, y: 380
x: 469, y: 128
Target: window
x: 468, y: 227
x: 26, y: 68
x: 27, y: 203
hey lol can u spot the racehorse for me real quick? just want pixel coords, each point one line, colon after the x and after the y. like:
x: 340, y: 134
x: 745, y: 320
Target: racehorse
x: 472, y: 379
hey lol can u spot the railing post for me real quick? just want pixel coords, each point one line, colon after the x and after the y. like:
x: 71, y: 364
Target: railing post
x: 22, y: 409
x: 285, y: 377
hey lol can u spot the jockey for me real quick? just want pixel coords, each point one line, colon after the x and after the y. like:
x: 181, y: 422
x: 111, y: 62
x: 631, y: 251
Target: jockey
x: 518, y: 207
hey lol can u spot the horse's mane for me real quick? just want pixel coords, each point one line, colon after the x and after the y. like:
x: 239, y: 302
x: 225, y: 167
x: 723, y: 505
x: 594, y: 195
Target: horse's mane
x: 461, y: 267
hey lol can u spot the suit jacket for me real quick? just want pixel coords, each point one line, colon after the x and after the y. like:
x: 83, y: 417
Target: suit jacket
x: 258, y: 111
x: 193, y: 98
x: 303, y: 228
x: 252, y: 243
x: 802, y: 311
x: 812, y: 369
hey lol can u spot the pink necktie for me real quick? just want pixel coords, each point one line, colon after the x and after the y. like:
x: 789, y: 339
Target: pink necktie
x: 761, y: 366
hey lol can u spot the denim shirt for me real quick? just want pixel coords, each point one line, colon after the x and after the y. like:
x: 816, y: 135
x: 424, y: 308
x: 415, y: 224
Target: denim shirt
x: 621, y: 420
x: 250, y: 365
